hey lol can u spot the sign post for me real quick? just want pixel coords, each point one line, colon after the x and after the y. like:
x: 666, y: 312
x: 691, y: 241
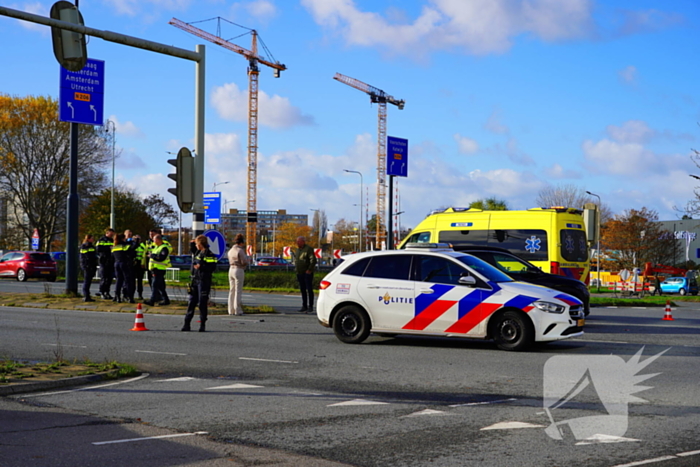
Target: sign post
x: 396, y: 166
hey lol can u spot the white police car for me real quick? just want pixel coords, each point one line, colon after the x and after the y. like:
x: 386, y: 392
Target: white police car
x: 429, y: 289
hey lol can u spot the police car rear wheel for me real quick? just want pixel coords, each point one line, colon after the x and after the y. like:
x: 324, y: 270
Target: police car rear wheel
x: 351, y: 325
x: 512, y: 331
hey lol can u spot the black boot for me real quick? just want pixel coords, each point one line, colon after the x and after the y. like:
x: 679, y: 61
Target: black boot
x: 202, y: 327
x: 131, y: 300
x: 186, y: 327
x: 88, y: 299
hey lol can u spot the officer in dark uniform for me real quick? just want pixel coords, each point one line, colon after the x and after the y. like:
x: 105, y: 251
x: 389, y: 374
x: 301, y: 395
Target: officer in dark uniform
x: 139, y: 269
x: 123, y: 267
x: 104, y: 254
x: 203, y: 265
x: 88, y: 263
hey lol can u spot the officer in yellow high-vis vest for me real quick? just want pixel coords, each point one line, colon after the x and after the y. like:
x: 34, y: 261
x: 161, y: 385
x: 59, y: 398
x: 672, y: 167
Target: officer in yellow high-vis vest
x: 158, y: 263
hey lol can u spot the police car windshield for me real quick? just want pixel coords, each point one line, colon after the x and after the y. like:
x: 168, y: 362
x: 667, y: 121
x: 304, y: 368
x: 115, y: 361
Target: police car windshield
x: 485, y: 269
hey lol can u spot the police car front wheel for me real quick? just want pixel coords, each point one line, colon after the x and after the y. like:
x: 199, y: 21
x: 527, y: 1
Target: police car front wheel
x: 351, y: 324
x: 512, y: 331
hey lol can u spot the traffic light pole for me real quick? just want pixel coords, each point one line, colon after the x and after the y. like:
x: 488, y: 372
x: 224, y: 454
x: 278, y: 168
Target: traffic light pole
x: 199, y: 100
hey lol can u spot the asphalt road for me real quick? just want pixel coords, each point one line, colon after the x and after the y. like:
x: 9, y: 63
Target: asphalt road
x: 284, y: 382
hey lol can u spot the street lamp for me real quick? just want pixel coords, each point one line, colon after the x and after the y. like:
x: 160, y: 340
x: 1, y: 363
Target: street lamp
x: 361, y: 190
x: 694, y: 176
x: 220, y: 183
x: 114, y: 140
x: 597, y: 238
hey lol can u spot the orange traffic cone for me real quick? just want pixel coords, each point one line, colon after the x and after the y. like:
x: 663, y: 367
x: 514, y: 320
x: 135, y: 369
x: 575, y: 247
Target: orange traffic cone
x: 667, y: 315
x: 138, y: 323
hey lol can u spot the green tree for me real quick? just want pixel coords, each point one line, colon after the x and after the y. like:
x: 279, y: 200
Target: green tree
x: 161, y: 211
x: 489, y: 204
x: 34, y: 164
x: 130, y: 212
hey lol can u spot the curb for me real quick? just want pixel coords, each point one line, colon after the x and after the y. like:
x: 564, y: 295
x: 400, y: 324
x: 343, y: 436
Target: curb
x: 36, y: 386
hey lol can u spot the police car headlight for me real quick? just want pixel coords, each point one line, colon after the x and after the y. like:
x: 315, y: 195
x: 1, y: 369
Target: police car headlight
x: 550, y: 307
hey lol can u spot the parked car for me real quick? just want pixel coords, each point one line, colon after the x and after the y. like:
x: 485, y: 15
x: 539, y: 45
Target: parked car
x: 222, y: 264
x: 680, y: 285
x: 182, y: 262
x: 23, y: 265
x: 524, y: 271
x: 271, y: 261
x: 58, y: 255
x: 435, y: 291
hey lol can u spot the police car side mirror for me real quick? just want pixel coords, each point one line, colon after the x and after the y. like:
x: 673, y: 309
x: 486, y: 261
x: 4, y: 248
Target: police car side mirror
x: 467, y: 280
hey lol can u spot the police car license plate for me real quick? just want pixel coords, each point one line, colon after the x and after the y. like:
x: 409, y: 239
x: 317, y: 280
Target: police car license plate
x: 580, y: 322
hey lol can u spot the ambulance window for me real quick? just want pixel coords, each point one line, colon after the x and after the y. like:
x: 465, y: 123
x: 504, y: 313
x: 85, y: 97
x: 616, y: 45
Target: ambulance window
x: 438, y: 270
x: 573, y: 245
x: 420, y: 237
x: 357, y: 268
x: 389, y: 267
x: 529, y: 244
x: 464, y: 237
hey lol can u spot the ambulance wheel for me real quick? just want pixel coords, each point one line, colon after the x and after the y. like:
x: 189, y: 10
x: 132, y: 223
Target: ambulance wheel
x: 512, y: 331
x: 351, y: 324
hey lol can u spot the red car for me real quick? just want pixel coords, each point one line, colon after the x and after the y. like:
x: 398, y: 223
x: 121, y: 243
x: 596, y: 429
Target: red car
x: 271, y: 262
x: 26, y: 264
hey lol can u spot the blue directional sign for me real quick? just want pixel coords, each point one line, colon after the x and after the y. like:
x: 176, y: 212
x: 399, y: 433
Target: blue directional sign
x: 217, y: 242
x: 81, y: 94
x: 212, y: 207
x: 397, y: 156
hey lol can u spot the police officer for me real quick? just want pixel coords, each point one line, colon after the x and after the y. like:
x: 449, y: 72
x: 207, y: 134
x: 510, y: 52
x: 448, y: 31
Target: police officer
x: 104, y: 254
x: 158, y: 263
x: 123, y: 266
x: 203, y: 265
x: 139, y: 270
x: 88, y: 263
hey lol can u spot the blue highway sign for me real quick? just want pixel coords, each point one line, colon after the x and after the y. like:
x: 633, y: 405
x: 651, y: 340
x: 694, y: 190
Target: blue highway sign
x: 81, y: 94
x: 212, y: 207
x: 397, y: 156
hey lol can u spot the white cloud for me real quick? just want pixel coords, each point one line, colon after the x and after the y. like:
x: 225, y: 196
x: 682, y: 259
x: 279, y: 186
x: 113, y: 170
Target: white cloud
x: 494, y: 125
x: 628, y: 75
x: 130, y: 160
x: 134, y: 7
x: 557, y: 172
x: 632, y: 131
x: 466, y: 145
x: 262, y: 10
x: 35, y: 8
x: 611, y: 157
x: 128, y: 129
x: 231, y: 104
x: 476, y: 26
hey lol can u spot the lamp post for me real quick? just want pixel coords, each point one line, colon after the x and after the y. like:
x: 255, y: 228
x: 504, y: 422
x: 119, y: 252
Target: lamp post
x: 597, y: 248
x: 114, y: 140
x: 361, y: 190
x: 219, y: 183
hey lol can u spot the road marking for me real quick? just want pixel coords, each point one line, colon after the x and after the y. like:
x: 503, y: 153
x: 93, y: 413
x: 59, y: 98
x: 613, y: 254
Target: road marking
x: 24, y: 396
x: 184, y: 378
x: 265, y: 360
x: 484, y: 403
x: 357, y: 402
x: 604, y: 439
x: 647, y: 461
x: 426, y: 412
x: 236, y: 386
x: 161, y: 353
x: 511, y: 426
x: 66, y: 345
x: 688, y: 453
x: 601, y: 341
x: 178, y: 435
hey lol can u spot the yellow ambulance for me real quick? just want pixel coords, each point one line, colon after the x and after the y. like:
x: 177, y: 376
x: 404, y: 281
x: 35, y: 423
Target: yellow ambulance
x: 553, y: 239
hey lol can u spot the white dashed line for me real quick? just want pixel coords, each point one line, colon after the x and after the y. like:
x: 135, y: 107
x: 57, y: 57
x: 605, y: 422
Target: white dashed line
x: 160, y: 353
x: 265, y: 360
x: 178, y: 435
x: 689, y: 453
x: 67, y: 345
x: 235, y: 386
x: 484, y: 403
x: 647, y: 461
x: 357, y: 402
x: 40, y: 394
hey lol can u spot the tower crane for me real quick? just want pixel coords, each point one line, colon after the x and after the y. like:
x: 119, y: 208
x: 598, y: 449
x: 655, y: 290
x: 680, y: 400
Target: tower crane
x: 377, y: 96
x: 253, y: 71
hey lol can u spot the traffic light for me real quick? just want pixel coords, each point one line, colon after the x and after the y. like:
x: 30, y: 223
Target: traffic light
x: 184, y: 179
x: 69, y: 47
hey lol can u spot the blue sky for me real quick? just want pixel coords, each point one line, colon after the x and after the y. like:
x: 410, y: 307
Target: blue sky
x: 503, y: 97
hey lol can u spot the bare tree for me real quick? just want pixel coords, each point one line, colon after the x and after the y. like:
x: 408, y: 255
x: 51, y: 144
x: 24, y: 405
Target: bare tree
x: 570, y: 196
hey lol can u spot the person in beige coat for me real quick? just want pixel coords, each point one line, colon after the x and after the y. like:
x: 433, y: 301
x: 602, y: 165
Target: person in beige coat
x: 238, y: 261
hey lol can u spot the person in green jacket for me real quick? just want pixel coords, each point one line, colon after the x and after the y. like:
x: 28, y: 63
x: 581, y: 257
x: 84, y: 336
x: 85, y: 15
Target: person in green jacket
x: 305, y: 265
